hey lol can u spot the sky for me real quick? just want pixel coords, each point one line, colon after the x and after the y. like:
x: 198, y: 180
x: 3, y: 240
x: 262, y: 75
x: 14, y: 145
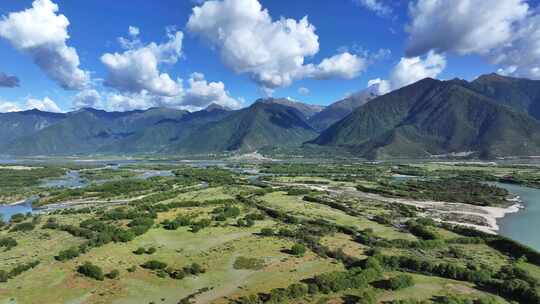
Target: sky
x: 62, y: 55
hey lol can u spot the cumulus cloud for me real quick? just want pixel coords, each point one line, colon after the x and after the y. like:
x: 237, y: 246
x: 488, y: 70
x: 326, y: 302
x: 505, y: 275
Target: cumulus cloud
x: 521, y: 57
x: 6, y: 106
x: 272, y: 52
x: 202, y: 93
x: 377, y: 6
x: 87, y: 99
x: 8, y: 81
x: 137, y: 68
x: 197, y: 95
x: 504, y: 32
x: 344, y: 65
x: 45, y: 104
x: 379, y: 86
x: 303, y: 91
x: 462, y: 26
x: 42, y: 33
x: 410, y: 70
x: 133, y: 31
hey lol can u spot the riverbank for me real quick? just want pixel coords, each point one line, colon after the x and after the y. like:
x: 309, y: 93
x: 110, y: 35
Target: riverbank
x: 482, y: 218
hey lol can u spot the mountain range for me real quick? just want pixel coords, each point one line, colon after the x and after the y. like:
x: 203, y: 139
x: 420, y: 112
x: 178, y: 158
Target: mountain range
x: 492, y: 116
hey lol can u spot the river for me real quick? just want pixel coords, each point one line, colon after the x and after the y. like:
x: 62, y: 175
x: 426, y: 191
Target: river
x: 523, y: 225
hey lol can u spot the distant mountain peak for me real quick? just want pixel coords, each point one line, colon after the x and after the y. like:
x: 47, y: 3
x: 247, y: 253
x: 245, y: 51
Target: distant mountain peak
x: 306, y: 109
x: 216, y: 107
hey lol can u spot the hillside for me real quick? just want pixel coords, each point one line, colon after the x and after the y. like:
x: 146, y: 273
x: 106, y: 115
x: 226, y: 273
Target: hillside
x: 307, y: 110
x: 17, y: 124
x: 433, y: 117
x: 340, y: 109
x: 262, y: 124
x: 88, y: 131
x: 518, y: 93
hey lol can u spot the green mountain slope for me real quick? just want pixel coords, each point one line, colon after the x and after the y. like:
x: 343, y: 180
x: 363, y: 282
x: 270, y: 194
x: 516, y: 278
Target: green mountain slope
x: 262, y: 124
x: 17, y: 124
x: 518, y: 93
x: 340, y: 109
x: 307, y: 110
x: 433, y: 117
x: 88, y: 131
x: 166, y: 132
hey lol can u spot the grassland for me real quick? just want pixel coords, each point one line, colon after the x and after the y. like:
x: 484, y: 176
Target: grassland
x: 354, y: 244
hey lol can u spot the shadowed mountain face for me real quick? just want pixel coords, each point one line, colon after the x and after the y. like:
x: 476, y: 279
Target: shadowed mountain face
x: 156, y: 130
x: 519, y: 94
x: 260, y: 125
x: 433, y: 117
x: 340, y: 109
x: 307, y: 110
x: 17, y: 124
x: 489, y: 117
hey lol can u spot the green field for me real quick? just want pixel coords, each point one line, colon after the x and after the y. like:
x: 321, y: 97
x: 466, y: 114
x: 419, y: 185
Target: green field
x: 297, y: 237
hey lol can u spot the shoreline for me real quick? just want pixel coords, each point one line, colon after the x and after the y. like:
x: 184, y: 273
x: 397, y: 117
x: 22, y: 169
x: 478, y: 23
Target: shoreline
x: 437, y: 210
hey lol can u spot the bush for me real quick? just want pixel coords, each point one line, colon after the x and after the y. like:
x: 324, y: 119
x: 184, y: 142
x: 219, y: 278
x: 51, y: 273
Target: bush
x: 298, y: 250
x: 400, y: 282
x: 154, y: 265
x: 91, y: 271
x: 8, y: 243
x: 139, y: 251
x: 248, y: 263
x: 267, y: 232
x: 68, y: 254
x: 28, y: 226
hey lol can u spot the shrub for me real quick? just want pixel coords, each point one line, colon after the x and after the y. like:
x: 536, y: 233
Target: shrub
x: 8, y: 243
x: 91, y: 271
x: 298, y: 250
x: 27, y: 226
x: 154, y: 265
x: 68, y: 254
x: 139, y: 251
x: 400, y: 282
x: 267, y: 231
x: 248, y: 263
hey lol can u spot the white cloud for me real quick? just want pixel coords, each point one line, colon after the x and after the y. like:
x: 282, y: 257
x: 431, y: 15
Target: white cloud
x: 344, y: 65
x: 303, y: 91
x: 87, y: 99
x: 197, y: 95
x: 462, y: 26
x: 6, y: 106
x: 45, y: 104
x: 504, y: 32
x: 271, y: 52
x: 521, y: 57
x: 379, y: 86
x: 202, y: 93
x: 42, y: 33
x: 375, y: 5
x: 410, y: 70
x: 137, y: 68
x: 130, y: 101
x: 133, y: 31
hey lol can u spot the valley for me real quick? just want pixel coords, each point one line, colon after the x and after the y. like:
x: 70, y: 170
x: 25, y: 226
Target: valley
x: 223, y: 231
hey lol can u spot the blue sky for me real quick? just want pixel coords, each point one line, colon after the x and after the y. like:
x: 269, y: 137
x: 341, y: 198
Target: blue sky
x: 374, y: 35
